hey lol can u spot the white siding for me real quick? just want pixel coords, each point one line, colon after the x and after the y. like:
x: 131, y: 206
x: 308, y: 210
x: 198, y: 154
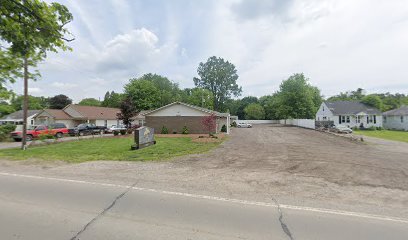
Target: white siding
x: 324, y: 113
x: 363, y: 120
x: 178, y: 110
x: 394, y: 122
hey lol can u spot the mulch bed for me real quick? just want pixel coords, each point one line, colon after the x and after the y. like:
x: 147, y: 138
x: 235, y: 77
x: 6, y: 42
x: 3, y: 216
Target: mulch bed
x: 200, y: 138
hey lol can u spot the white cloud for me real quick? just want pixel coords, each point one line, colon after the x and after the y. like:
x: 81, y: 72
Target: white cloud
x: 34, y: 90
x: 64, y: 86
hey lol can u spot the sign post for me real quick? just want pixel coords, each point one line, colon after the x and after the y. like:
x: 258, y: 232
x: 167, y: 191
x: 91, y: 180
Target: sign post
x: 144, y: 137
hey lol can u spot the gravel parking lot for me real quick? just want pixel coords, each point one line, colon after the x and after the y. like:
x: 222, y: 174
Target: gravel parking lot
x: 293, y: 165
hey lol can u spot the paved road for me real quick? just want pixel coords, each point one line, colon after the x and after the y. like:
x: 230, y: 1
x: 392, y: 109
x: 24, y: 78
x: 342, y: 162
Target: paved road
x: 45, y: 208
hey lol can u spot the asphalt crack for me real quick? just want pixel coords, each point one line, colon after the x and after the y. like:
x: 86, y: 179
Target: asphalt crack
x: 117, y: 198
x: 285, y: 227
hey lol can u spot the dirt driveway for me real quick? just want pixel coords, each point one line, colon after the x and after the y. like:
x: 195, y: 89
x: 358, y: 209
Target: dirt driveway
x: 296, y: 166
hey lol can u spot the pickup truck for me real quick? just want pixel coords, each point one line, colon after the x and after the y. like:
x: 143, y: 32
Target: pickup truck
x: 86, y: 129
x: 57, y: 129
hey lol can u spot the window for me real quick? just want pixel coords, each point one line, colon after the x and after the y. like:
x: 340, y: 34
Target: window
x: 358, y: 119
x: 385, y: 119
x: 402, y: 119
x: 375, y: 119
x: 323, y: 108
x: 348, y: 119
x: 40, y: 128
x: 324, y: 118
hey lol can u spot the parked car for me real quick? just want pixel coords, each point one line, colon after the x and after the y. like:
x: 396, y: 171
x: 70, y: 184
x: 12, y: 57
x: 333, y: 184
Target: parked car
x: 57, y: 129
x: 244, y: 125
x: 342, y: 129
x: 114, y: 128
x: 86, y: 129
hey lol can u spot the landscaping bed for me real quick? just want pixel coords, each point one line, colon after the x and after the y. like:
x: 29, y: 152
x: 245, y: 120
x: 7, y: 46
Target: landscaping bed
x: 112, y: 148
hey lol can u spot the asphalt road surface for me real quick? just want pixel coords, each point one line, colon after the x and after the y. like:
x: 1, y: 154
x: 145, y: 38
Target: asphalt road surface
x: 52, y: 208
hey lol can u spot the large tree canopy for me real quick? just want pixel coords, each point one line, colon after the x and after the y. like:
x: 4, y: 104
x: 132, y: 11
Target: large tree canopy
x: 143, y: 93
x: 297, y: 99
x: 90, y: 102
x: 254, y: 111
x: 59, y: 101
x: 219, y: 77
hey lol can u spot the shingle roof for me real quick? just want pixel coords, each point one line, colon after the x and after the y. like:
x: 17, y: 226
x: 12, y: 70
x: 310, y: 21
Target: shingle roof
x: 92, y: 112
x: 189, y: 105
x: 402, y: 111
x: 350, y: 107
x: 19, y: 114
x: 58, y: 114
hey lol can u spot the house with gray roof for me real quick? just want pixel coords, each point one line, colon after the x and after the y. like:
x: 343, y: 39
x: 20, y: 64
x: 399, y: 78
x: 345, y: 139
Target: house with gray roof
x: 16, y: 118
x: 176, y: 115
x: 396, y: 119
x: 350, y: 114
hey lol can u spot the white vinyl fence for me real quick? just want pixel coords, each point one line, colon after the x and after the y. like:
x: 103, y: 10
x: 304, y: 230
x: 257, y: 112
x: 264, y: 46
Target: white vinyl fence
x: 305, y: 123
x: 258, y: 121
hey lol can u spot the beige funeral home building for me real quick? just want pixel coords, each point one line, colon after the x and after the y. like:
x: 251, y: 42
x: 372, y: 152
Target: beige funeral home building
x: 73, y: 115
x: 176, y: 115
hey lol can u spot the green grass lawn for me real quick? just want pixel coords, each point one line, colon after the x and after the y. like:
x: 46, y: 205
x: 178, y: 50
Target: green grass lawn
x: 109, y: 149
x: 385, y: 134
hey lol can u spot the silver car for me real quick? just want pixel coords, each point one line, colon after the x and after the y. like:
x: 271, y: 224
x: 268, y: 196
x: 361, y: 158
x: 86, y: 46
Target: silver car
x: 343, y: 129
x: 244, y: 125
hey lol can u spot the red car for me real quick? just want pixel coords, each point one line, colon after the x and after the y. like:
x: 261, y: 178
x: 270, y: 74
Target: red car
x: 57, y: 129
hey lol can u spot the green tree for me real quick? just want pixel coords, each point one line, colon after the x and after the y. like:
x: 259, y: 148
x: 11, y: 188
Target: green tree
x: 373, y: 100
x: 59, y: 101
x: 242, y: 104
x: 112, y: 99
x: 297, y: 98
x: 6, y: 108
x: 30, y: 28
x: 254, y: 111
x: 270, y: 103
x: 35, y: 103
x: 219, y: 77
x: 198, y: 97
x: 144, y: 94
x: 90, y: 102
x: 169, y: 91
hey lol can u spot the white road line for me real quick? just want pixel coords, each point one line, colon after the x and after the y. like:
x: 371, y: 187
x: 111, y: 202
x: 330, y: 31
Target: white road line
x: 230, y: 200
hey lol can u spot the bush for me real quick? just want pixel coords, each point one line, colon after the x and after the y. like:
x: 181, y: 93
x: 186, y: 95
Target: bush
x: 5, y: 131
x: 379, y: 128
x: 174, y: 132
x: 185, y: 130
x: 164, y: 130
x: 224, y: 128
x: 45, y: 136
x: 115, y: 133
x: 123, y: 132
x: 234, y: 124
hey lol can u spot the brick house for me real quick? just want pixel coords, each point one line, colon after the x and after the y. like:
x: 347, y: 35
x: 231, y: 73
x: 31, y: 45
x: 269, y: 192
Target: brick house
x: 176, y: 115
x: 73, y: 115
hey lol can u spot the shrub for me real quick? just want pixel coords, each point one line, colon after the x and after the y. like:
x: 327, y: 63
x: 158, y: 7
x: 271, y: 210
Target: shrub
x: 164, y: 130
x: 44, y: 136
x: 234, y: 124
x: 123, y: 132
x: 379, y: 128
x: 115, y: 133
x: 224, y: 128
x: 5, y: 131
x: 174, y: 132
x: 185, y: 130
x: 372, y: 128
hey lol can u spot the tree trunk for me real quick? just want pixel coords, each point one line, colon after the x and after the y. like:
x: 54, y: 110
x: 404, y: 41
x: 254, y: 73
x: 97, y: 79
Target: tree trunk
x: 25, y: 105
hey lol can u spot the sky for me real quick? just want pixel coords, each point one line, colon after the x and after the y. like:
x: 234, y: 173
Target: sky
x: 339, y: 45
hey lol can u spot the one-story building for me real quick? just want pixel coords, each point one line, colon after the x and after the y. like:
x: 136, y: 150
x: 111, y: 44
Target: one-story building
x: 349, y: 114
x: 16, y: 118
x: 176, y: 115
x: 396, y: 119
x: 73, y: 115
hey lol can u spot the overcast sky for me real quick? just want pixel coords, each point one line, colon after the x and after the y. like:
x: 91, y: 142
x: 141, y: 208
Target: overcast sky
x: 339, y: 45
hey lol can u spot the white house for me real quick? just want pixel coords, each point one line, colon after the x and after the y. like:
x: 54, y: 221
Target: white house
x: 16, y: 118
x: 73, y: 115
x: 396, y: 119
x: 350, y: 114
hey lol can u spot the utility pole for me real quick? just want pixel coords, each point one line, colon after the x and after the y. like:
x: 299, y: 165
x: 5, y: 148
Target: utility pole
x: 25, y: 103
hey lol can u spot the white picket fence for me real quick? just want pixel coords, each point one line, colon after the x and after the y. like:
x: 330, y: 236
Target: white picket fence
x: 305, y: 123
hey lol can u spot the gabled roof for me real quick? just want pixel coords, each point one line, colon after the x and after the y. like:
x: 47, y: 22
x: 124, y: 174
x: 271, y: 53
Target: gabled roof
x: 191, y: 106
x: 402, y: 111
x: 58, y: 114
x: 92, y: 112
x: 351, y: 107
x: 19, y: 115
